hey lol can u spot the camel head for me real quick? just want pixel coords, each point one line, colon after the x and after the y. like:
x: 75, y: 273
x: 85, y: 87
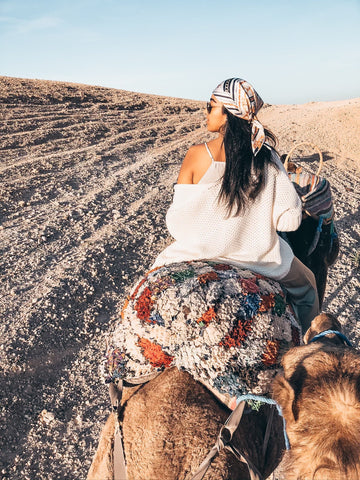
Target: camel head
x: 319, y: 393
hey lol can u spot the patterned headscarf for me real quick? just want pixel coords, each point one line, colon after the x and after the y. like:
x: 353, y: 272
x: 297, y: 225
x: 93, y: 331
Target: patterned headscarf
x: 241, y: 99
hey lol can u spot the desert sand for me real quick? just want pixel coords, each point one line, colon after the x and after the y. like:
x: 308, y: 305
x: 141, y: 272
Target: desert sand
x: 86, y: 179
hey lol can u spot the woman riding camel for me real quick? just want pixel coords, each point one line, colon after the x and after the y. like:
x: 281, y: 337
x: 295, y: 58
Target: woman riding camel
x: 233, y: 195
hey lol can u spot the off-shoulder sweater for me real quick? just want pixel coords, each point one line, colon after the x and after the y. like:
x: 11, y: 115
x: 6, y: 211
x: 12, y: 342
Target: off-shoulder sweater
x: 203, y: 230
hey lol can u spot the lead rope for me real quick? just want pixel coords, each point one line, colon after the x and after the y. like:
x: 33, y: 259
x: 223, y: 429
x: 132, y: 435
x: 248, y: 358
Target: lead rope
x: 268, y: 401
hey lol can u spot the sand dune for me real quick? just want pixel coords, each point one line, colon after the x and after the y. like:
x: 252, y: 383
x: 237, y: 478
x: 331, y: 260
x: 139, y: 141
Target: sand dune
x: 86, y: 178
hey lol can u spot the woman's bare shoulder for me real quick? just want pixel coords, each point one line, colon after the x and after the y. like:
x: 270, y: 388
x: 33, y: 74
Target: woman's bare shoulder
x: 196, y: 161
x: 198, y: 149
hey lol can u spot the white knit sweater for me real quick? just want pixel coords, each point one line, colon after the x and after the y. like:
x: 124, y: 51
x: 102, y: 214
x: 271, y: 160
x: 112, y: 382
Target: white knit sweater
x: 202, y: 230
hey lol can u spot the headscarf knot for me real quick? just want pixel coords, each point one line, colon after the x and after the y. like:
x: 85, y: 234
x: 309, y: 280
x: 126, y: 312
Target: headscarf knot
x: 242, y: 100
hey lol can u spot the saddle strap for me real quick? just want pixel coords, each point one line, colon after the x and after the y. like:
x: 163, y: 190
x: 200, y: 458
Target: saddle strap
x: 253, y: 471
x: 119, y: 457
x: 224, y: 441
x: 268, y: 430
x: 115, y: 392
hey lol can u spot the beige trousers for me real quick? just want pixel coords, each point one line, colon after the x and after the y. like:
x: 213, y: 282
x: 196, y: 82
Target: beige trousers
x: 300, y: 285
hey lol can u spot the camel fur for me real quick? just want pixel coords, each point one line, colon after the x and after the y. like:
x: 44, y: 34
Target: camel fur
x: 319, y: 393
x: 170, y: 424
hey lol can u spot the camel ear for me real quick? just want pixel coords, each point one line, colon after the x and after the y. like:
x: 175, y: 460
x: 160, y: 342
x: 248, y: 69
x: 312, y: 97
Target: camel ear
x: 284, y: 395
x: 324, y: 321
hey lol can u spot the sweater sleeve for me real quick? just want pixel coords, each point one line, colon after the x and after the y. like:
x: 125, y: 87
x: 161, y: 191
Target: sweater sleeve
x: 287, y: 211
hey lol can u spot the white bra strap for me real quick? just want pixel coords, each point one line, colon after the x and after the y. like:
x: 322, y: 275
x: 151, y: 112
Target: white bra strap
x: 208, y: 150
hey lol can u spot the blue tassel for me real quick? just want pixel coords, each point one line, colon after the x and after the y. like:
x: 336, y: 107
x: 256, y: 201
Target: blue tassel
x: 316, y: 236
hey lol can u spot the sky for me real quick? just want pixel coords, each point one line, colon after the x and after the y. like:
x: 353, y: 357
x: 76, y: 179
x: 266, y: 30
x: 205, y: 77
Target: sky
x: 291, y: 51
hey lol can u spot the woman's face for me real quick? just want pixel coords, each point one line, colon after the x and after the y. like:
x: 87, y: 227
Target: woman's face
x: 216, y: 119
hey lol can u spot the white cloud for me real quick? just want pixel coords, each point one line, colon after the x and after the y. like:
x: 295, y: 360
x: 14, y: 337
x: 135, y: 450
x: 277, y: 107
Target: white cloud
x: 21, y: 26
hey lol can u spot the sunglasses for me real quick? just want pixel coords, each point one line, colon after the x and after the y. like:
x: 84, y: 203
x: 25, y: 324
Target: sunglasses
x: 209, y: 107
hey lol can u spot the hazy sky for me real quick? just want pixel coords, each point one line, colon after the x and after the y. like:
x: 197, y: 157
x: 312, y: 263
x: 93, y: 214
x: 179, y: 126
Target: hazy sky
x: 291, y: 51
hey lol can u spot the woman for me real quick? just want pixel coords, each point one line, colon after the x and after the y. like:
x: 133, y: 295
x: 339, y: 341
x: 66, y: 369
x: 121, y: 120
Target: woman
x: 233, y: 195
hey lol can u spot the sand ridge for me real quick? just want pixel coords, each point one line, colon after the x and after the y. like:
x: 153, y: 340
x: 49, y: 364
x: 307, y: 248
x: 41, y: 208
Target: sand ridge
x: 86, y: 179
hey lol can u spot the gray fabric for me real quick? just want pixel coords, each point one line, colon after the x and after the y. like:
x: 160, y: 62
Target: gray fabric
x: 300, y: 284
x: 268, y: 430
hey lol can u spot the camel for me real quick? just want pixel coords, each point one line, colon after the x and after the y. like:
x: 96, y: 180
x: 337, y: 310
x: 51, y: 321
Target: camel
x: 220, y: 316
x: 327, y: 249
x: 324, y: 255
x: 319, y: 393
x: 170, y: 423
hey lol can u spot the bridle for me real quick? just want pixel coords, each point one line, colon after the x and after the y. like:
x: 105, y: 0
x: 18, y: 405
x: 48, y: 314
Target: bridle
x: 328, y: 332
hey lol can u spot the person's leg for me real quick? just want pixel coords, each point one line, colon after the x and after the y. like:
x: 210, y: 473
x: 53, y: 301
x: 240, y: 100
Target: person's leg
x: 301, y: 286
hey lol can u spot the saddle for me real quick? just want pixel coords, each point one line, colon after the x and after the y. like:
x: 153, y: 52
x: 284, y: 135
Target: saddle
x: 318, y: 207
x: 225, y: 325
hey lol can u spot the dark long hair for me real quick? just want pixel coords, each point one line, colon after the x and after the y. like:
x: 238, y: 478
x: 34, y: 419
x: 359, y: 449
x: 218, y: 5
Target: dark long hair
x: 244, y: 176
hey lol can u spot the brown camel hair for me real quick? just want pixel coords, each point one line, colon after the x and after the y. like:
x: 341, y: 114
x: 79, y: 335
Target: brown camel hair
x: 320, y: 397
x: 170, y: 424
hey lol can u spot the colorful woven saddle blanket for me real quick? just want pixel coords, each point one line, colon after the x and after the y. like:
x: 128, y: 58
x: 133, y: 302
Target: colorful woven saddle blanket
x: 226, y: 326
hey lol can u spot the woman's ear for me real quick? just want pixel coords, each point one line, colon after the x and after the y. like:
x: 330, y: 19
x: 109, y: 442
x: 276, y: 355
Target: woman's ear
x: 284, y: 395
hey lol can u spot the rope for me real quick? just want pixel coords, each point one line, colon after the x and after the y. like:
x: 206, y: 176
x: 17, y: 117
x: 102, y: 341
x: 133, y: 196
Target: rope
x: 269, y: 401
x: 328, y: 332
x: 223, y: 441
